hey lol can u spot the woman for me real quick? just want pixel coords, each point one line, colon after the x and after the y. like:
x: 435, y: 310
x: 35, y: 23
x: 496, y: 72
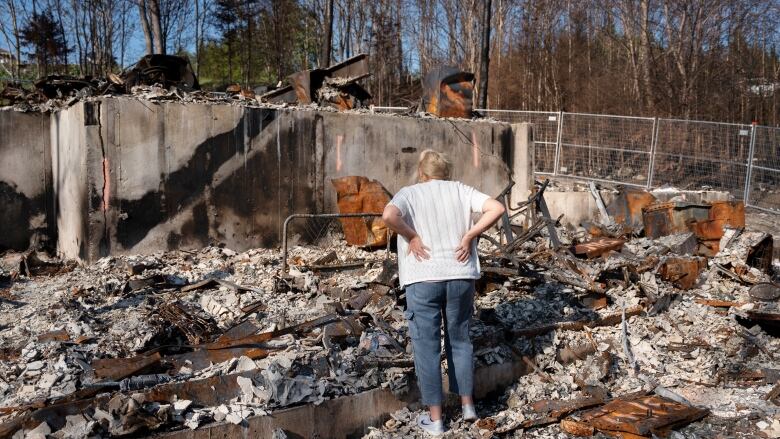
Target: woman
x: 437, y: 264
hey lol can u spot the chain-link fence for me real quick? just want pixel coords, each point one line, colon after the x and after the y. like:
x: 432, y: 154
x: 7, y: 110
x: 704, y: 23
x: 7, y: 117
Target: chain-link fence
x: 743, y: 160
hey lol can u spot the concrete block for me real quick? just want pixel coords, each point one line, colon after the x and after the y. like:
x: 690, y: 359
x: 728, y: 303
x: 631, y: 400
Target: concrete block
x: 26, y: 210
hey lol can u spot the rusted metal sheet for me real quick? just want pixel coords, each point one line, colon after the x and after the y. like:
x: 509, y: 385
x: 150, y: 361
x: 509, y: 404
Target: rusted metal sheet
x: 58, y: 335
x: 357, y: 194
x: 706, y: 221
x: 577, y: 428
x: 597, y: 247
x: 682, y: 271
x: 729, y: 213
x: 117, y: 368
x: 354, y: 67
x: 662, y: 219
x: 448, y: 92
x: 167, y: 70
x: 282, y: 95
x: 559, y: 408
x: 642, y: 416
x: 627, y: 206
x: 336, y: 85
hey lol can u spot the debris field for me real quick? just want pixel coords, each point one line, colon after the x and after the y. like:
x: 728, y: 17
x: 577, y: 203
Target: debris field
x: 619, y: 334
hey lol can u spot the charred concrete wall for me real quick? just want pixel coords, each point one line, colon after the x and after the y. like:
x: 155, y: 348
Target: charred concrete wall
x: 139, y: 177
x: 26, y: 212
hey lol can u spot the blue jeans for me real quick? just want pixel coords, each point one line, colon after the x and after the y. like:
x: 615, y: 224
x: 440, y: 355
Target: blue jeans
x: 427, y: 304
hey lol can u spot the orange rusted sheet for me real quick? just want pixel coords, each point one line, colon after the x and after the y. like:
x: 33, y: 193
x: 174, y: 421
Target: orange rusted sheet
x: 641, y: 416
x: 576, y: 428
x: 682, y: 271
x: 597, y: 247
x: 447, y: 92
x: 627, y: 207
x: 709, y: 231
x: 730, y: 213
x: 719, y: 303
x: 357, y: 194
x: 706, y: 221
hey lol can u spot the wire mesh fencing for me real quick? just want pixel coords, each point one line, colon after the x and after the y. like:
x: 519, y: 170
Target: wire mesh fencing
x: 613, y: 148
x: 743, y: 160
x: 763, y: 190
x: 695, y: 155
x: 546, y: 129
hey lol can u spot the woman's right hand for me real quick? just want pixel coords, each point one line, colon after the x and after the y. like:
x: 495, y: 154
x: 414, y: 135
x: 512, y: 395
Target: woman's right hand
x: 418, y: 249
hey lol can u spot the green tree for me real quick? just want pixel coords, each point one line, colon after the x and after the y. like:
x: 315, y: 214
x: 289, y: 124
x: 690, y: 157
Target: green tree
x: 46, y: 40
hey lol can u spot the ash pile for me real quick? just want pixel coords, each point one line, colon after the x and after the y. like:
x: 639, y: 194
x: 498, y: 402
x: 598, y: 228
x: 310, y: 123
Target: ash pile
x: 131, y: 345
x: 658, y: 320
x: 645, y: 324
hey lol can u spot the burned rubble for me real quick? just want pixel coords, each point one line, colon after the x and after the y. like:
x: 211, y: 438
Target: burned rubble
x: 619, y: 334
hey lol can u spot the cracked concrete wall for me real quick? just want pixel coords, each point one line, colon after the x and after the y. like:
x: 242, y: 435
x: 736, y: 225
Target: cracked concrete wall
x: 26, y: 211
x: 136, y: 176
x: 69, y: 172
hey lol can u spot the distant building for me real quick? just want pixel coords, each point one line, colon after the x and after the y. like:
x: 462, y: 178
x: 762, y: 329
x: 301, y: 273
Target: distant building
x: 6, y: 57
x: 762, y: 87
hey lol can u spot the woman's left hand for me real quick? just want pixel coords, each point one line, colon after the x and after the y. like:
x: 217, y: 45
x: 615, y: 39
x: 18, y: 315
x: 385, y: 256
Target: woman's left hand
x: 463, y: 251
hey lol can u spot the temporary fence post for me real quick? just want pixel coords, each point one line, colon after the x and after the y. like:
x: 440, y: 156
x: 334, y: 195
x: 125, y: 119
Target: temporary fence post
x: 653, y: 145
x: 749, y: 175
x: 558, y: 143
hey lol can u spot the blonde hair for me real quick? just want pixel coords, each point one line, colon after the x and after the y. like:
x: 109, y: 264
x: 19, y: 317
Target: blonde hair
x: 434, y: 165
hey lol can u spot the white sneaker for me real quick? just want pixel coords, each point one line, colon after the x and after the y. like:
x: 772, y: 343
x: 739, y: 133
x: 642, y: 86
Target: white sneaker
x: 469, y: 413
x: 434, y: 428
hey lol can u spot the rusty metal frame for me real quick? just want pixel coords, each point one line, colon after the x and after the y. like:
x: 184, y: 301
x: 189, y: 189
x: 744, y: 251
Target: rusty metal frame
x: 318, y: 215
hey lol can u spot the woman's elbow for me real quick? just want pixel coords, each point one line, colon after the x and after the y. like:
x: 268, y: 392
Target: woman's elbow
x: 496, y: 208
x: 387, y: 215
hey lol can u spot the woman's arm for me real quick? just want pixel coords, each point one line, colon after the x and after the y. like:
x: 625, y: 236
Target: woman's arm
x: 395, y: 221
x: 491, y: 212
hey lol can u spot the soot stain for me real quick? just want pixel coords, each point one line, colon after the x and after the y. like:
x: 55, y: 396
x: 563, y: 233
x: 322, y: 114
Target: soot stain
x: 186, y: 184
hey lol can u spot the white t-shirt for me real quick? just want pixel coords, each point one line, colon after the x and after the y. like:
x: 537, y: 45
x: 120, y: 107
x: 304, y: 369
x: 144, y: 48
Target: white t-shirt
x: 440, y: 212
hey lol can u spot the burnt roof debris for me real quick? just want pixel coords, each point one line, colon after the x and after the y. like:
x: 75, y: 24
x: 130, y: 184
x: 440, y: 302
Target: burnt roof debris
x: 166, y: 70
x: 336, y: 86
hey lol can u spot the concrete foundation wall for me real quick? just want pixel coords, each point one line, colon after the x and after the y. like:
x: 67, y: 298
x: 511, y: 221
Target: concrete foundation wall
x: 26, y: 212
x: 140, y: 177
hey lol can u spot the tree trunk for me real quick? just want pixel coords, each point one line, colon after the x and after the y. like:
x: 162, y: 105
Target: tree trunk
x: 485, y: 58
x: 327, y: 43
x: 157, y: 32
x: 145, y: 26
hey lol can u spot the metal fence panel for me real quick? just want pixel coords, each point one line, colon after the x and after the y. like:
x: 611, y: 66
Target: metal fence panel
x: 598, y: 147
x: 650, y: 152
x: 696, y: 155
x: 546, y: 124
x: 764, y: 189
